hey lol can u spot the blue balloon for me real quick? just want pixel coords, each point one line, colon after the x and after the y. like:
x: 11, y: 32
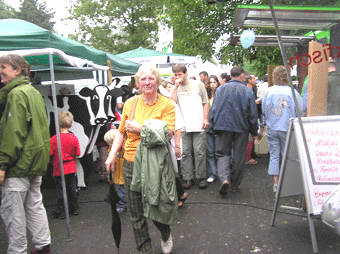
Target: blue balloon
x: 247, y: 38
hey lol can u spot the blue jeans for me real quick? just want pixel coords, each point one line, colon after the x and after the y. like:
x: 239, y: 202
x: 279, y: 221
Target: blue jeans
x: 121, y: 194
x: 71, y: 192
x: 211, y: 159
x: 276, y: 146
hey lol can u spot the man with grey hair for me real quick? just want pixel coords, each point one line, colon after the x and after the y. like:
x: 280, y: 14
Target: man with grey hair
x: 233, y: 116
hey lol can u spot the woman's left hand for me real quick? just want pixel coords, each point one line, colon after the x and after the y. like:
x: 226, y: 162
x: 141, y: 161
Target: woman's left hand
x: 133, y: 126
x: 178, y: 152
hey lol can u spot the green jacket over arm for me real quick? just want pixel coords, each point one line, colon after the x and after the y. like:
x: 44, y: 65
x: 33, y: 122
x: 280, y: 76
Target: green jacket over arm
x: 154, y: 175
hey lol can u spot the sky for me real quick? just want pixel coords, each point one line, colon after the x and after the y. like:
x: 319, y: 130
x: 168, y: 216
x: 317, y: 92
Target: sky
x: 60, y: 8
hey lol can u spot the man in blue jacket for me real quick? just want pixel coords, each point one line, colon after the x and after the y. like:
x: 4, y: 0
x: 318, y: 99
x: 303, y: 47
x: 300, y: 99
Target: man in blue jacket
x: 233, y: 116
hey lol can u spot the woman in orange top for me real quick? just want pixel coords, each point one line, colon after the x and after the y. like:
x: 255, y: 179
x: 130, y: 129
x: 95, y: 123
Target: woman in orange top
x: 150, y: 105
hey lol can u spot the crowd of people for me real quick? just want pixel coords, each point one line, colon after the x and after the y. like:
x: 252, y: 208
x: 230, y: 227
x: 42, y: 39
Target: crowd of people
x: 172, y: 136
x: 220, y: 118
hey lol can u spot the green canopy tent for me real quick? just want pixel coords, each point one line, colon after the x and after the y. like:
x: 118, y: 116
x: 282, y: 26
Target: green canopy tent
x: 18, y: 34
x: 160, y: 58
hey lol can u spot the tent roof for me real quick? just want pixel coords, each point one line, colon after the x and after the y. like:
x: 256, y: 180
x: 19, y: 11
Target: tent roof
x: 141, y: 55
x: 288, y: 17
x: 65, y: 67
x: 20, y: 34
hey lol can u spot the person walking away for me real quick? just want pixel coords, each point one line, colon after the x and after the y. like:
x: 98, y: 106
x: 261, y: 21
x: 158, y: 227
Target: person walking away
x: 278, y: 107
x: 250, y: 80
x: 24, y: 156
x: 233, y: 116
x: 148, y: 106
x: 70, y: 149
x: 192, y: 98
x: 211, y: 86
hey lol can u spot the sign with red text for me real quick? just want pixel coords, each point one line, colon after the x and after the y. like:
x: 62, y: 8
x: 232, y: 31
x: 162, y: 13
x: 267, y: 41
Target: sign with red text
x: 323, y: 141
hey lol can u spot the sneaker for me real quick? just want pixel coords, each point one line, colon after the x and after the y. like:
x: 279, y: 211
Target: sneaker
x: 274, y: 188
x: 224, y: 188
x: 251, y: 162
x: 43, y: 250
x: 75, y: 213
x: 121, y: 209
x: 58, y: 216
x: 167, y: 246
x: 211, y: 180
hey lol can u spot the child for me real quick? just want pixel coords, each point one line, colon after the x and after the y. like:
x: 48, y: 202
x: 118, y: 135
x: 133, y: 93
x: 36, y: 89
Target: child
x: 118, y: 177
x: 70, y: 150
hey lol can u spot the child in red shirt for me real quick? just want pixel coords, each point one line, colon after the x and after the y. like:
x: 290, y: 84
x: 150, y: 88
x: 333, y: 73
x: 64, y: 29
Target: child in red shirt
x: 70, y: 150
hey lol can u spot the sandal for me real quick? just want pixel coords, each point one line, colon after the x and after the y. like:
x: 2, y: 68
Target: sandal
x: 182, y: 200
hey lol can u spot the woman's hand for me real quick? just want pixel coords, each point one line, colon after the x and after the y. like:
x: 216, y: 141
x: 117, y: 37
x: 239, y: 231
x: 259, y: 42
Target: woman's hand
x: 110, y: 163
x: 178, y: 152
x: 133, y: 126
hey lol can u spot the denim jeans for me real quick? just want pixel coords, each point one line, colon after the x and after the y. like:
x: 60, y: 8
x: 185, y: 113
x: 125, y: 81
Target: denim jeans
x: 276, y: 146
x: 211, y: 159
x: 121, y: 194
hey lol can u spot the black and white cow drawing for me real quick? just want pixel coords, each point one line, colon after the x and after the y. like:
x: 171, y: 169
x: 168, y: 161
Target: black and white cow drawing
x: 91, y: 109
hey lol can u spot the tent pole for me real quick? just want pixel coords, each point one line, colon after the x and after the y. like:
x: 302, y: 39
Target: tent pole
x: 54, y: 97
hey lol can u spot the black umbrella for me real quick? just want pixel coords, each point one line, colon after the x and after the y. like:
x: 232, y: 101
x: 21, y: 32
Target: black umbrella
x: 112, y: 198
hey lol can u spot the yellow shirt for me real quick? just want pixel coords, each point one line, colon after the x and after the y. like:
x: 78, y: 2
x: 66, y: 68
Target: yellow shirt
x: 163, y: 109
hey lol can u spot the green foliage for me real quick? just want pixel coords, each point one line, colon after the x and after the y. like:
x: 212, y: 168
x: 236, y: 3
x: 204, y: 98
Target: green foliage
x: 117, y: 26
x: 6, y: 11
x: 256, y: 57
x: 197, y: 26
x: 36, y: 13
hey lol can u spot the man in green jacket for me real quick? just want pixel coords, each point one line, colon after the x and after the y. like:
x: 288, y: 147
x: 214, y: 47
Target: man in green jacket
x: 24, y: 155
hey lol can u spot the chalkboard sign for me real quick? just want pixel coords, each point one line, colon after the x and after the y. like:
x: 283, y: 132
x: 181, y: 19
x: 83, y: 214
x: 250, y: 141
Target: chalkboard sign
x: 323, y: 140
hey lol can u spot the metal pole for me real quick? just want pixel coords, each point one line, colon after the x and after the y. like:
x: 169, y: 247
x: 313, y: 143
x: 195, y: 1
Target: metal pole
x: 311, y: 225
x: 54, y: 97
x: 282, y: 170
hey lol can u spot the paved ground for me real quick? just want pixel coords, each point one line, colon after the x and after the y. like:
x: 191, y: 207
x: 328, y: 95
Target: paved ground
x: 239, y: 223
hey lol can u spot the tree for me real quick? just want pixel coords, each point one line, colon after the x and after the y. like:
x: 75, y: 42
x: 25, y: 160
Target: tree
x: 6, y: 11
x: 117, y: 26
x: 36, y: 13
x: 197, y: 26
